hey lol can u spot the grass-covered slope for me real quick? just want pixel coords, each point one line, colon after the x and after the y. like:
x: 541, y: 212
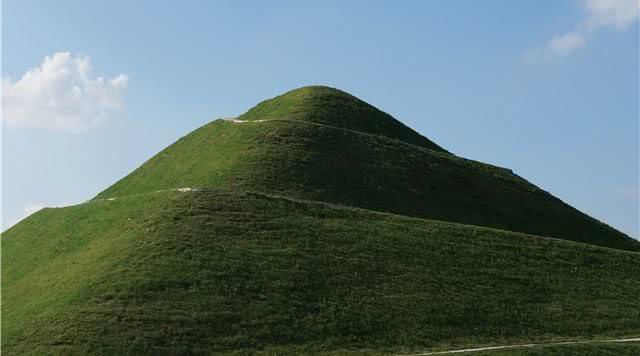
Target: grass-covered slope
x: 174, y: 272
x: 333, y: 107
x: 325, y: 163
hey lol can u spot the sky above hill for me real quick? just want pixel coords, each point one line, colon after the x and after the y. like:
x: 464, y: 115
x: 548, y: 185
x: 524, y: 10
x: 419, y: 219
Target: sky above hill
x: 549, y: 89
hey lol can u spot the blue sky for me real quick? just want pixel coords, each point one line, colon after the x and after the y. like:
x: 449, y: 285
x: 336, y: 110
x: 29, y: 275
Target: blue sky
x: 548, y: 89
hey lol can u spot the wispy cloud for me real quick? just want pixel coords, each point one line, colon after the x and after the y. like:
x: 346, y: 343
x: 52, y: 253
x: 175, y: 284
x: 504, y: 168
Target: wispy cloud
x: 616, y: 15
x: 61, y: 94
x: 566, y: 43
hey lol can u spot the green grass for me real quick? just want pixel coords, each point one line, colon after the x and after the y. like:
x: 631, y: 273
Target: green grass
x: 319, y: 162
x: 227, y: 271
x: 333, y: 107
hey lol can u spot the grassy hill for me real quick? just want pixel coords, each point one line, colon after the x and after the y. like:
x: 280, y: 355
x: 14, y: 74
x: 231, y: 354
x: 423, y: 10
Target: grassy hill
x: 222, y: 270
x: 316, y: 223
x: 322, y: 144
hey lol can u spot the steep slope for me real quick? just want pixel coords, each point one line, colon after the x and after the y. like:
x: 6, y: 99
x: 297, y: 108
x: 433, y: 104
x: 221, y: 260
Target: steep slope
x: 322, y: 144
x: 198, y: 272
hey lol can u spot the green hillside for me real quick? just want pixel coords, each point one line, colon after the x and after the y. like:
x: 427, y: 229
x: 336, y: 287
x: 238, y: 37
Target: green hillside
x: 215, y: 270
x: 315, y: 223
x: 319, y: 143
x: 333, y: 107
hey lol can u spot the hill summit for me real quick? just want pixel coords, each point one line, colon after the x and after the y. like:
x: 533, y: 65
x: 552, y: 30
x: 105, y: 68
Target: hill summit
x: 322, y: 144
x: 335, y: 108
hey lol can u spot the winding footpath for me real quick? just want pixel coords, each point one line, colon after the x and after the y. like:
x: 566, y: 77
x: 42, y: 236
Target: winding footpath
x: 518, y: 346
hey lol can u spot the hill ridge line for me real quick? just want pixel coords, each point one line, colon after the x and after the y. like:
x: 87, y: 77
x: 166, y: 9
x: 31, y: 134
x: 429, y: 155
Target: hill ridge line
x: 384, y: 138
x: 338, y: 206
x: 446, y: 155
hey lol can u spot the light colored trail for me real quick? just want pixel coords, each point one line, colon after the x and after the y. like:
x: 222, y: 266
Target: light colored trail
x: 244, y: 121
x: 182, y: 190
x: 503, y: 347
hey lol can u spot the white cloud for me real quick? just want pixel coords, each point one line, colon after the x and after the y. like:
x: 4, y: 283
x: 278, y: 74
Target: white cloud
x: 567, y: 42
x: 617, y: 15
x: 61, y: 94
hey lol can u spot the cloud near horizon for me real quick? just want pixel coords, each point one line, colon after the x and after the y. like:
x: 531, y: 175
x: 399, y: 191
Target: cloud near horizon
x: 616, y: 15
x: 60, y: 94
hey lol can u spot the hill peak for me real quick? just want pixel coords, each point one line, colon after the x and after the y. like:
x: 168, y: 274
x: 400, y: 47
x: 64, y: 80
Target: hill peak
x: 336, y: 108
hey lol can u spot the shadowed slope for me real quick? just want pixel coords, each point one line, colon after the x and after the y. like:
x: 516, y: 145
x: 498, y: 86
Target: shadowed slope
x: 196, y: 272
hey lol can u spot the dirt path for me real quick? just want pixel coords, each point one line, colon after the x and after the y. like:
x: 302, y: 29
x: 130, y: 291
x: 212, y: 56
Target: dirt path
x: 502, y: 347
x: 243, y: 121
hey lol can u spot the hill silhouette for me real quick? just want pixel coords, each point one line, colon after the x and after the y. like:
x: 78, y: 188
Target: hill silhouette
x: 314, y: 223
